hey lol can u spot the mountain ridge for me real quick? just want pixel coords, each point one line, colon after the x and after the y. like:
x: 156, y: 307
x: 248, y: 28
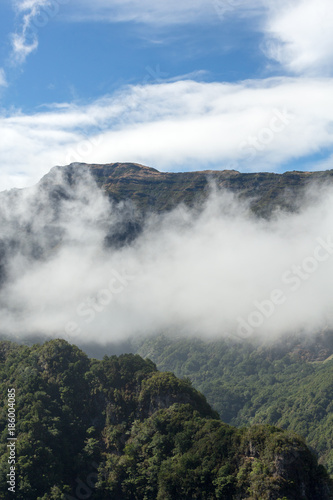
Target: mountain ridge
x: 152, y: 190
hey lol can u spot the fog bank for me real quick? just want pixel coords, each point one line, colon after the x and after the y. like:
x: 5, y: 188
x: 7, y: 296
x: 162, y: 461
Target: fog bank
x: 214, y: 271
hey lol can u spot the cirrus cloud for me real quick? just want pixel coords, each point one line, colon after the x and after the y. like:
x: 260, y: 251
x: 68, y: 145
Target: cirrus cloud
x: 25, y: 39
x: 3, y: 80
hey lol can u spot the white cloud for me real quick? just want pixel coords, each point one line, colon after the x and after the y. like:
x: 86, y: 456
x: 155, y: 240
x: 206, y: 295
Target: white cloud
x: 21, y: 49
x: 251, y: 125
x: 144, y: 11
x: 300, y: 35
x: 25, y: 40
x: 3, y: 81
x: 161, y: 14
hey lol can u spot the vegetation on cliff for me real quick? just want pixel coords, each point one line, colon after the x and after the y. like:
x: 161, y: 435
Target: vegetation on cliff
x: 287, y: 384
x: 118, y: 428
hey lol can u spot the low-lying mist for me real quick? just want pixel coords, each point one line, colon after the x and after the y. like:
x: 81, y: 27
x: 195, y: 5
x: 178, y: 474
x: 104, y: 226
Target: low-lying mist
x: 214, y: 271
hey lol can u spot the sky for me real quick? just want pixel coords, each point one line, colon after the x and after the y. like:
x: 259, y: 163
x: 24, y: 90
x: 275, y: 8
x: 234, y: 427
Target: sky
x: 179, y: 85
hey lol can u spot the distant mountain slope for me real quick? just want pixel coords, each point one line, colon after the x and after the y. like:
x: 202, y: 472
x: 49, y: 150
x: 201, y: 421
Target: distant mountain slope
x: 119, y: 429
x: 249, y: 383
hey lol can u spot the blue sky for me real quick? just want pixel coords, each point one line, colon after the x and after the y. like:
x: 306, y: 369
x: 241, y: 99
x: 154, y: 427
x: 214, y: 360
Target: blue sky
x: 178, y: 85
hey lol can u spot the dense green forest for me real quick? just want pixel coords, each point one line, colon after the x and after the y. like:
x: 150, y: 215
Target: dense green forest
x: 120, y: 429
x: 255, y: 384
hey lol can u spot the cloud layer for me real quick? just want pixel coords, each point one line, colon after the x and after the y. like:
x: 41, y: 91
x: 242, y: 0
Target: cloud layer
x: 251, y: 125
x: 300, y: 35
x: 214, y: 272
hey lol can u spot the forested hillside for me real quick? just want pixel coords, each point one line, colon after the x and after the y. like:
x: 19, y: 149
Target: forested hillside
x: 288, y: 384
x: 119, y: 429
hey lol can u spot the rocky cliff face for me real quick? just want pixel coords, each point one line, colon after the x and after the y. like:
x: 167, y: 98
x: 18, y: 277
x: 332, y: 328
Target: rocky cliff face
x: 156, y: 191
x: 290, y: 467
